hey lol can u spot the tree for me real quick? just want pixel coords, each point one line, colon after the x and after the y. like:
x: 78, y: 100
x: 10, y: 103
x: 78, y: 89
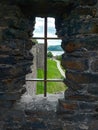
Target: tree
x: 59, y: 57
x: 49, y: 54
x: 34, y: 41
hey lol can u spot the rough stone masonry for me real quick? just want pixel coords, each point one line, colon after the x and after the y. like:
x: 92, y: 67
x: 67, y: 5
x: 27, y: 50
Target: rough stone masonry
x: 77, y: 26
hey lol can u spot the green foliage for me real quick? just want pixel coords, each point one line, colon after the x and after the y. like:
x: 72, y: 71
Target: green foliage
x: 52, y: 73
x: 58, y: 57
x: 34, y: 41
x: 49, y: 54
x: 52, y: 70
x: 40, y: 85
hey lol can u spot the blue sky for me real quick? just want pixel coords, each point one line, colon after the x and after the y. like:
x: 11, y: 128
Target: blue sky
x: 39, y: 30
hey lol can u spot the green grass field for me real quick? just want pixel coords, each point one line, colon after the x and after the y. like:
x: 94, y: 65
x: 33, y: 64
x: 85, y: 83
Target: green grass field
x: 52, y: 73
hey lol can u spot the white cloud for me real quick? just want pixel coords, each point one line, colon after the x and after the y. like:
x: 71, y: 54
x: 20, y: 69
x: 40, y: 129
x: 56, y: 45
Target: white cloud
x: 39, y: 22
x: 39, y: 30
x: 54, y: 42
x: 40, y: 41
x: 51, y: 42
x: 51, y: 22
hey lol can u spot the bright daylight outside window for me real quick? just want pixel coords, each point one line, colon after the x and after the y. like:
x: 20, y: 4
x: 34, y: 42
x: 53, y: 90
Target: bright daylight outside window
x: 49, y: 72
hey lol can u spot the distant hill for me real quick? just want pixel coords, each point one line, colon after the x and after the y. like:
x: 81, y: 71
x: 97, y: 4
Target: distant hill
x: 55, y: 48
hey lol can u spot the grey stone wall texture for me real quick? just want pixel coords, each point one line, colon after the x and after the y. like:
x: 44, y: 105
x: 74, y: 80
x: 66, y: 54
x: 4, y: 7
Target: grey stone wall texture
x: 31, y: 86
x: 77, y: 26
x: 40, y: 56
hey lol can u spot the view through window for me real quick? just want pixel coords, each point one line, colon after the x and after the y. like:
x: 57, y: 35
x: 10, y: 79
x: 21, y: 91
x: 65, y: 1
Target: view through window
x: 49, y: 72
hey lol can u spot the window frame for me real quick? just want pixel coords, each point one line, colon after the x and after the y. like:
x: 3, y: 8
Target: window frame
x: 45, y: 38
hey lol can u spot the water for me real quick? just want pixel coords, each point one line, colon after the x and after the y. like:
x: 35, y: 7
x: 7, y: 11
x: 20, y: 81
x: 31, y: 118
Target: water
x: 57, y: 53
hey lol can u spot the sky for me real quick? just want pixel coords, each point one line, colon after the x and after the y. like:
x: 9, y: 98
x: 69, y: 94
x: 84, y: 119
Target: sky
x: 39, y: 31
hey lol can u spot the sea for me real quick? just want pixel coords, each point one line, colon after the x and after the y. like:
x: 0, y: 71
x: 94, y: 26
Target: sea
x: 57, y: 53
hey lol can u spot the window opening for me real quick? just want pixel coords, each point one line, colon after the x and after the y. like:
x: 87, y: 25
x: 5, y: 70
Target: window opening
x: 44, y: 37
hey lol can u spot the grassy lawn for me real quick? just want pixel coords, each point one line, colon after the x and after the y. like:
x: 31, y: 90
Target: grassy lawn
x: 52, y: 73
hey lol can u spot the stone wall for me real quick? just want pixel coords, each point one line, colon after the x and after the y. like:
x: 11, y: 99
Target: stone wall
x: 38, y: 63
x: 76, y: 25
x: 15, y: 57
x: 40, y: 56
x: 31, y: 85
x: 79, y: 33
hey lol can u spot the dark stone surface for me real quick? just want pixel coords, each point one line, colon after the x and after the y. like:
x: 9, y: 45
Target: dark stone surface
x: 94, y: 65
x: 15, y: 56
x: 93, y: 89
x: 76, y: 25
x: 82, y: 78
x: 78, y: 64
x: 79, y: 34
x: 37, y: 113
x: 93, y: 125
